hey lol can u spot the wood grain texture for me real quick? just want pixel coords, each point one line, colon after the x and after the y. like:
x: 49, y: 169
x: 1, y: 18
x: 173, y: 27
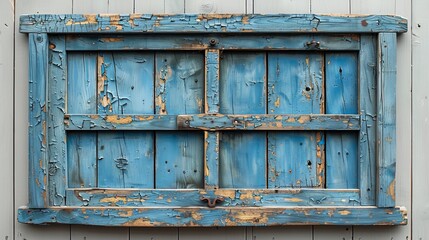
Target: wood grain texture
x: 220, y: 216
x: 81, y: 99
x: 341, y: 97
x: 38, y: 159
x: 386, y: 121
x: 242, y: 156
x: 57, y: 83
x: 7, y: 16
x: 211, y: 23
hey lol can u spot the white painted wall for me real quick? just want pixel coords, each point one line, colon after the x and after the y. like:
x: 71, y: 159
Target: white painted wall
x: 412, y: 99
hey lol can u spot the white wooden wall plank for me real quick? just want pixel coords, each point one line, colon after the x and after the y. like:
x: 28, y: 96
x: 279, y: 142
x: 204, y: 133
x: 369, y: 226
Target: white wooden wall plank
x: 99, y: 233
x: 174, y: 6
x: 23, y: 231
x: 154, y: 234
x: 373, y: 7
x: 215, y: 6
x: 420, y: 38
x: 281, y: 6
x: 333, y: 233
x: 330, y: 6
x: 278, y: 233
x: 238, y: 233
x: 249, y: 6
x: 149, y: 6
x: 121, y: 6
x: 88, y: 7
x: 6, y: 123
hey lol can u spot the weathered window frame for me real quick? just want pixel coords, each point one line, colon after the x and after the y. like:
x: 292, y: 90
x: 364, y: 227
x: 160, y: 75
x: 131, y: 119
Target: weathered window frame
x: 377, y: 62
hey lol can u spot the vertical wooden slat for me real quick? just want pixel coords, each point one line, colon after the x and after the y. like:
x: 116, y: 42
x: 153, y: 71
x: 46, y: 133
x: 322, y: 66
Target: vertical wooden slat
x: 57, y: 136
x: 38, y: 174
x: 211, y: 139
x: 281, y: 6
x: 214, y: 6
x: 81, y: 99
x: 386, y: 124
x: 179, y: 90
x: 242, y: 158
x: 295, y: 86
x: 368, y: 112
x: 125, y: 86
x: 326, y: 6
x: 341, y: 98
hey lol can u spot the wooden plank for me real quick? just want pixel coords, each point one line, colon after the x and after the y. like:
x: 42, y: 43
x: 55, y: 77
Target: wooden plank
x: 333, y: 233
x: 81, y: 98
x: 232, y: 233
x: 7, y: 207
x: 232, y: 197
x: 386, y: 124
x: 242, y: 156
x: 56, y: 107
x: 296, y: 85
x: 212, y: 81
x: 330, y: 6
x: 214, y: 6
x: 38, y: 159
x: 219, y: 216
x: 85, y: 7
x: 210, y: 23
x: 151, y: 6
x: 179, y: 90
x: 120, y: 122
x: 268, y: 42
x: 125, y: 86
x: 165, y: 233
x: 120, y: 6
x: 341, y: 98
x: 281, y: 6
x: 368, y: 112
x: 292, y: 232
x: 372, y: 7
x: 277, y: 122
x: 98, y: 233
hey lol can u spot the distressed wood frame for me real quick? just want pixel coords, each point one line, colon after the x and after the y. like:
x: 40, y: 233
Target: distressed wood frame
x: 51, y: 36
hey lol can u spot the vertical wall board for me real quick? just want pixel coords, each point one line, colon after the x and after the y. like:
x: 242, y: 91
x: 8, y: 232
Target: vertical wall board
x: 57, y: 84
x: 150, y: 6
x: 367, y: 110
x: 295, y: 86
x: 173, y: 6
x: 373, y: 7
x: 386, y: 120
x: 81, y: 93
x: 121, y: 6
x: 230, y: 233
x: 6, y: 124
x: 286, y: 232
x: 90, y: 7
x: 242, y: 157
x: 23, y: 231
x: 38, y: 174
x: 420, y: 32
x: 179, y: 155
x: 215, y: 6
x: 154, y: 233
x: 341, y: 98
x: 125, y: 86
x: 327, y: 6
x: 99, y: 233
x: 333, y: 233
x: 281, y: 6
x: 249, y: 6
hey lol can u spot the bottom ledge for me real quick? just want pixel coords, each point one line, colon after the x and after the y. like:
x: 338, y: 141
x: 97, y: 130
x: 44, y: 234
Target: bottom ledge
x: 220, y: 216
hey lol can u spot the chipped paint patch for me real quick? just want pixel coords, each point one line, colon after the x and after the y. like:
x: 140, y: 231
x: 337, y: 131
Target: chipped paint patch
x: 118, y: 120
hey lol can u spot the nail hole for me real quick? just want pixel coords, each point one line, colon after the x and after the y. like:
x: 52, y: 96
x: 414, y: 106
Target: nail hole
x: 307, y: 89
x: 341, y: 70
x: 309, y: 163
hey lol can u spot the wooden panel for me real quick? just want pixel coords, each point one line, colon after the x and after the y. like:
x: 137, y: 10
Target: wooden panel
x: 179, y: 90
x: 197, y: 216
x: 281, y: 6
x: 233, y: 233
x: 125, y: 86
x: 341, y: 97
x: 274, y: 233
x: 295, y: 85
x: 150, y: 6
x: 386, y: 125
x: 85, y: 7
x: 165, y: 233
x: 98, y: 233
x: 368, y: 112
x: 333, y: 233
x: 7, y: 209
x: 242, y: 157
x: 120, y: 6
x: 205, y: 23
x: 372, y: 7
x: 222, y: 42
x: 38, y: 50
x: 81, y: 98
x: 214, y: 6
x: 330, y: 6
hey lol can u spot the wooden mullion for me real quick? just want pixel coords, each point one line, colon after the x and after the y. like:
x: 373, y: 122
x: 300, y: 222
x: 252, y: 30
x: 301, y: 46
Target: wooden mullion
x: 386, y: 124
x: 211, y: 139
x: 38, y: 77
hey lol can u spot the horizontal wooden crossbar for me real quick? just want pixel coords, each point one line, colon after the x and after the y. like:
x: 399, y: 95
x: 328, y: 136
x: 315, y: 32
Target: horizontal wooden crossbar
x: 232, y: 197
x: 269, y: 122
x: 147, y: 23
x: 209, y: 217
x: 213, y: 122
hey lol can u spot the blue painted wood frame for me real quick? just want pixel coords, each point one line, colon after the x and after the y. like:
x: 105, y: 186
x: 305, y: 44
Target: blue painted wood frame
x: 371, y: 203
